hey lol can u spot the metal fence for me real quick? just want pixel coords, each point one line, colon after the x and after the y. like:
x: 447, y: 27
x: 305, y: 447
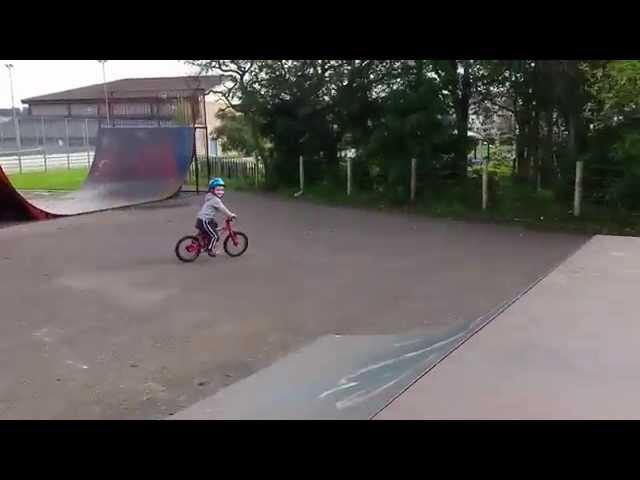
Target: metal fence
x: 43, y: 143
x: 138, y: 122
x: 48, y: 133
x: 225, y: 166
x: 39, y: 160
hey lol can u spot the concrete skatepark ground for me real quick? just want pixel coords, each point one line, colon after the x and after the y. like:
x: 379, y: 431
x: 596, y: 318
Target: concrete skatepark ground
x: 568, y: 349
x: 100, y: 320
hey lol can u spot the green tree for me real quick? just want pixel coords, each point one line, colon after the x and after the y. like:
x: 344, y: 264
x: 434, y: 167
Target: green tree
x: 236, y: 134
x: 616, y: 84
x: 459, y: 82
x: 411, y: 127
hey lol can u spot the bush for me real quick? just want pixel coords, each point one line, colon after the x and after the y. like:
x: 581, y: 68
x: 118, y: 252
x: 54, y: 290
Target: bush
x: 612, y: 168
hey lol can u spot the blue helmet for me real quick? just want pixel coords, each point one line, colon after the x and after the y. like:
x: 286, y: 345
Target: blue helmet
x: 216, y: 182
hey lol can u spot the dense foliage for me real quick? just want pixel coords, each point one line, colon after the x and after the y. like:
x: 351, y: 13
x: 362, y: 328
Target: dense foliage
x: 546, y: 114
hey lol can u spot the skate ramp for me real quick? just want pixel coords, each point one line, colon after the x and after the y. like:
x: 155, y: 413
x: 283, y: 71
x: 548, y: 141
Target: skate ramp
x: 131, y: 166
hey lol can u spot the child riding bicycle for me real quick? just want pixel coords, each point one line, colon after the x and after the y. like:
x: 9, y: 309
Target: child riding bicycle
x: 206, y: 221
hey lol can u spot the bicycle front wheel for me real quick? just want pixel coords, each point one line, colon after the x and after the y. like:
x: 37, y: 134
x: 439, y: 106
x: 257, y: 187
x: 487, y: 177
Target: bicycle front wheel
x: 236, y: 246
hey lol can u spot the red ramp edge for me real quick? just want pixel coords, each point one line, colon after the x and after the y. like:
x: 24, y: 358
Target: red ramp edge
x: 13, y: 206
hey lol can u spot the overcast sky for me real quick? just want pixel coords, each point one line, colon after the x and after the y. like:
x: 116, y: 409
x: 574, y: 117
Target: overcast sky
x: 39, y: 77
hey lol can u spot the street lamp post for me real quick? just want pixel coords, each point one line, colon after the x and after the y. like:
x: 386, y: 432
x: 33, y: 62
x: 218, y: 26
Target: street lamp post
x: 15, y: 118
x: 104, y: 84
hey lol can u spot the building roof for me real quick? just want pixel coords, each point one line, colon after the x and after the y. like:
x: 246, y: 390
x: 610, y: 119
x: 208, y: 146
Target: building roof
x: 163, y: 87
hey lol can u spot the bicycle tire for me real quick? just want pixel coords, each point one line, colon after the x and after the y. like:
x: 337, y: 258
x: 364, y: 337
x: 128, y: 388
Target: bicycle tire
x: 242, y: 238
x: 188, y: 259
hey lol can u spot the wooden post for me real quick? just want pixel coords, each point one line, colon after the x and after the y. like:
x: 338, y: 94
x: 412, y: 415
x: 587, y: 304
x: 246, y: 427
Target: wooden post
x: 485, y: 180
x: 413, y: 179
x: 301, y: 178
x: 66, y: 129
x: 539, y: 182
x: 348, y: 176
x: 44, y: 154
x: 301, y: 173
x: 256, y: 168
x: 577, y: 197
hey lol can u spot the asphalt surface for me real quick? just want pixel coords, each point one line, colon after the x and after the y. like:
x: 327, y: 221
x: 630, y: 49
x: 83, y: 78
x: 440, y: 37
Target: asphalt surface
x: 99, y: 320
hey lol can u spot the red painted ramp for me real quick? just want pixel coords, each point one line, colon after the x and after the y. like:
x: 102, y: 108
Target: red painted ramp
x: 131, y: 166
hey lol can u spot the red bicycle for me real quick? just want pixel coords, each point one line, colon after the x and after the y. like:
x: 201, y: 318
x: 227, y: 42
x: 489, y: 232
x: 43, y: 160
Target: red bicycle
x: 190, y: 247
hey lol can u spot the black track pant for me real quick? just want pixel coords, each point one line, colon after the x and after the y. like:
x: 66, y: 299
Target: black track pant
x: 209, y: 228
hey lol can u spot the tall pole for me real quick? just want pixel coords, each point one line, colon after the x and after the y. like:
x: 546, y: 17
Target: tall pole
x: 44, y: 143
x: 66, y: 131
x: 13, y: 112
x: 104, y: 85
x: 206, y: 136
x: 86, y: 141
x: 195, y: 157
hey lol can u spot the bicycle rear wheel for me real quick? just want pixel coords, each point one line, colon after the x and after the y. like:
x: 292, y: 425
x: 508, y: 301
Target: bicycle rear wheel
x: 188, y: 248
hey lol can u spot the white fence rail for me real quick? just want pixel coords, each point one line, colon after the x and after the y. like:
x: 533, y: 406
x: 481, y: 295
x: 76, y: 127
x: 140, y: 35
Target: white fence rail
x: 33, y: 161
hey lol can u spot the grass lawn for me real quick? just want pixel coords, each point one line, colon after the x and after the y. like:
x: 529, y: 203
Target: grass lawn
x: 60, y: 179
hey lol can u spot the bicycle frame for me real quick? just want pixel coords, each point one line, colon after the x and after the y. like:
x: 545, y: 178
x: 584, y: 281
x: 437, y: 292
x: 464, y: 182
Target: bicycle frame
x: 204, y: 239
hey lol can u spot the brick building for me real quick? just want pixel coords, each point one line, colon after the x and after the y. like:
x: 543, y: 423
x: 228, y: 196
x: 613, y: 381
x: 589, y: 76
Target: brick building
x: 131, y: 102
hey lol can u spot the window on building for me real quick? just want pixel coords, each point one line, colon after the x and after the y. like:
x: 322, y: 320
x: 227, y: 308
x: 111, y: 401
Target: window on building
x: 49, y: 110
x: 83, y: 110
